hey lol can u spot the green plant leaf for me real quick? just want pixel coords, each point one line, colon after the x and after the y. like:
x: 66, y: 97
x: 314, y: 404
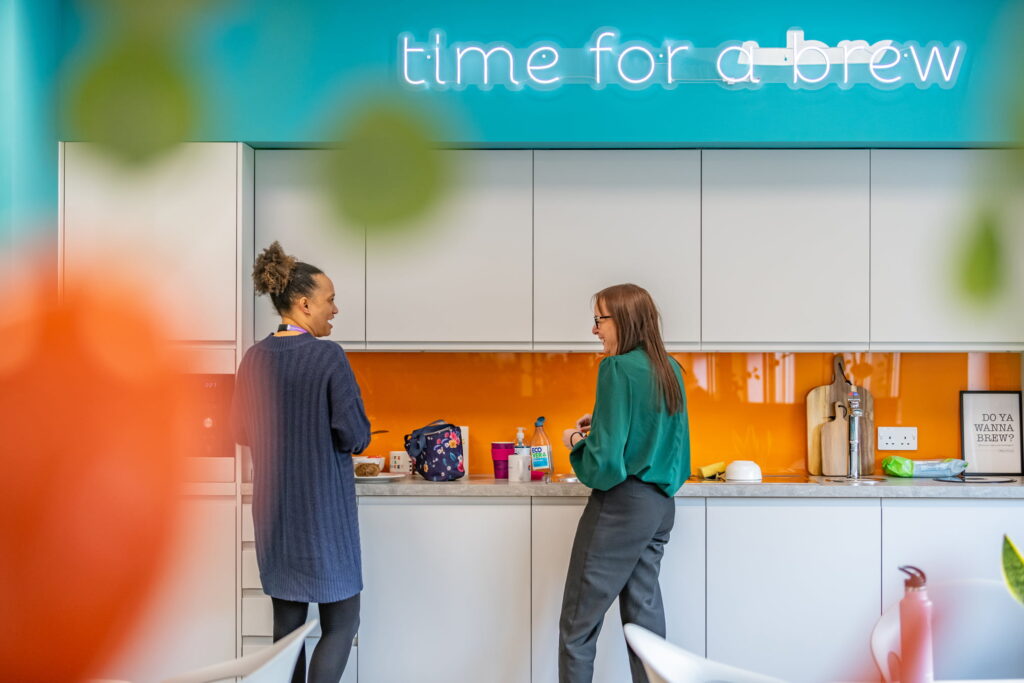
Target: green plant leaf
x: 387, y: 171
x: 982, y: 270
x: 1013, y: 569
x: 135, y: 99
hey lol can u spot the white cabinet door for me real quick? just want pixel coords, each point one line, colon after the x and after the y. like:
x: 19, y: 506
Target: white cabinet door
x: 682, y: 586
x: 948, y: 539
x: 446, y: 589
x: 785, y: 248
x: 190, y: 619
x: 923, y: 205
x: 292, y: 209
x: 350, y: 676
x: 170, y: 225
x: 463, y: 276
x: 793, y: 589
x: 604, y: 217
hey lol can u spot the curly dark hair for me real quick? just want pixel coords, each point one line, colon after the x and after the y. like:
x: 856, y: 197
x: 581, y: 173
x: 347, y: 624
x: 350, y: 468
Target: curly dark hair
x: 283, y: 277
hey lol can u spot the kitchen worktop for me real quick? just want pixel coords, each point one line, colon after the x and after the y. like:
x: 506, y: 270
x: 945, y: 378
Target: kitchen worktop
x: 783, y: 486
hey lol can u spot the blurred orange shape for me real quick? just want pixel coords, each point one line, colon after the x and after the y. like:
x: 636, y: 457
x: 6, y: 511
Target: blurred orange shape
x: 90, y: 408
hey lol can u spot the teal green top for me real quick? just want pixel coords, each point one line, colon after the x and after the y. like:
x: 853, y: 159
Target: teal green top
x: 631, y: 432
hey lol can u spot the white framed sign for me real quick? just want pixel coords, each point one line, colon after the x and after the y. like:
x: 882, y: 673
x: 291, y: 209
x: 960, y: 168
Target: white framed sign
x: 990, y: 437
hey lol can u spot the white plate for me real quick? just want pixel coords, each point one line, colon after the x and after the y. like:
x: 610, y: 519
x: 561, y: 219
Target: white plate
x: 383, y: 476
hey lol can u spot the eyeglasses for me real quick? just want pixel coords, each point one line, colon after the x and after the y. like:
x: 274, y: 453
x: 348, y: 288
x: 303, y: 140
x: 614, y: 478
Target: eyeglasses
x: 598, y: 319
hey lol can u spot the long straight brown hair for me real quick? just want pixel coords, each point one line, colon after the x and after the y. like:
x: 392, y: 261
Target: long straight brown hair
x: 638, y: 324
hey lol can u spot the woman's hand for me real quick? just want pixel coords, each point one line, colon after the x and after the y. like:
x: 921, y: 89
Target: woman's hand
x: 583, y: 424
x: 571, y: 437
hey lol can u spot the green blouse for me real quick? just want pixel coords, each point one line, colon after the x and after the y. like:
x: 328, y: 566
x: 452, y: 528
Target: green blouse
x: 631, y: 432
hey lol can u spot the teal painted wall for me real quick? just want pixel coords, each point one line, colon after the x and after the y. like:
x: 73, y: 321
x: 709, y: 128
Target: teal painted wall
x: 274, y: 72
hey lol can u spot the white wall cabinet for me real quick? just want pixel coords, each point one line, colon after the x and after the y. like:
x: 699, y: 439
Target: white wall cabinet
x: 604, y: 217
x: 792, y: 586
x: 682, y: 581
x: 447, y: 589
x: 292, y: 208
x: 462, y: 277
x: 171, y: 226
x: 785, y: 249
x: 190, y: 618
x: 924, y: 204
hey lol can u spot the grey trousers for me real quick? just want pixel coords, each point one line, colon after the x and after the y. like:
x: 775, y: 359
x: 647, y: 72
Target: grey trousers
x: 617, y: 552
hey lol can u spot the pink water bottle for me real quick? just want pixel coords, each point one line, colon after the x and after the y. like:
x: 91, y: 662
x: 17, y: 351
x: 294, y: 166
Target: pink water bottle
x: 915, y: 630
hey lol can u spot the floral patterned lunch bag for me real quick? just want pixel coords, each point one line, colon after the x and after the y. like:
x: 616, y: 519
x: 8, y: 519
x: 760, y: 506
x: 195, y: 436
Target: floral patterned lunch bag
x: 436, y: 451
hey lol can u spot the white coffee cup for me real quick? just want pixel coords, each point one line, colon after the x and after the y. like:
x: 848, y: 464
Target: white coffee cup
x: 399, y: 462
x: 518, y: 467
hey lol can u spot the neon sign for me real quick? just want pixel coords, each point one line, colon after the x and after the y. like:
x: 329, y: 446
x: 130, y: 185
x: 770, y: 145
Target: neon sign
x: 608, y: 60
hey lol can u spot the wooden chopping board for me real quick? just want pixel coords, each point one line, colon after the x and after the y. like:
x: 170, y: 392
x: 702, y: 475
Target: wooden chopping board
x: 821, y: 403
x: 835, y: 443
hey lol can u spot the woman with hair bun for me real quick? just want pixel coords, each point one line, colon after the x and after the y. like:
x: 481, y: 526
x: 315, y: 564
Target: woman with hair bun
x: 298, y: 408
x: 634, y: 452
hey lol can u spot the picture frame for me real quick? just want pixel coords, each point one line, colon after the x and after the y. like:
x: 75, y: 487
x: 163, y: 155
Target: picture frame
x: 990, y: 432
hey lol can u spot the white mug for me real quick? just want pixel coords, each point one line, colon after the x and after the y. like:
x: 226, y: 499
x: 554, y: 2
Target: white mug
x: 518, y: 467
x: 400, y: 462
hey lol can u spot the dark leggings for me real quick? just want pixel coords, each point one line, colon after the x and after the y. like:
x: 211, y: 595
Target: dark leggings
x: 339, y: 622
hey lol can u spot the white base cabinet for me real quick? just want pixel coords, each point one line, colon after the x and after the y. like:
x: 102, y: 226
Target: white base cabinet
x: 190, y: 619
x: 682, y: 583
x: 447, y: 590
x: 471, y: 588
x: 793, y: 588
x: 948, y: 539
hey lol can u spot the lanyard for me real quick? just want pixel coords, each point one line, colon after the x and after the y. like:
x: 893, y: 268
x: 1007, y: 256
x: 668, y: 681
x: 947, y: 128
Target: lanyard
x: 290, y: 328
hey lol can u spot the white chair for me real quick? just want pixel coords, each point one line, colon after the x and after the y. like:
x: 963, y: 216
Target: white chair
x: 977, y: 631
x: 273, y: 664
x: 668, y: 663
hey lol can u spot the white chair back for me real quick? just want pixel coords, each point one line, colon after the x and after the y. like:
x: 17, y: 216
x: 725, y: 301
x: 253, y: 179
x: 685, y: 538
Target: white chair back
x: 668, y: 663
x: 273, y: 664
x: 977, y: 632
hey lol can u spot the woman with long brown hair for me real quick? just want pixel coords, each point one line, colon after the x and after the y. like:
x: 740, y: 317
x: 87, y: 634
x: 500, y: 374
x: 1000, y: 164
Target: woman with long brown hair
x: 634, y: 452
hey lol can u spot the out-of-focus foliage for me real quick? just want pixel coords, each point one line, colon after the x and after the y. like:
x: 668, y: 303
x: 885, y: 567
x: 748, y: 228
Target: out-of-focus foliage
x: 135, y: 99
x: 982, y: 273
x: 90, y: 411
x: 386, y: 171
x: 1013, y: 569
x: 133, y: 94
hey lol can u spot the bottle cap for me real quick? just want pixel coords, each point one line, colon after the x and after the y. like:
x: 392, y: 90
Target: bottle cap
x: 916, y: 578
x: 539, y: 422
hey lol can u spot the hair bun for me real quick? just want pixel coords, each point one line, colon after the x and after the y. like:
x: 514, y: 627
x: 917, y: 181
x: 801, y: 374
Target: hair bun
x: 272, y: 270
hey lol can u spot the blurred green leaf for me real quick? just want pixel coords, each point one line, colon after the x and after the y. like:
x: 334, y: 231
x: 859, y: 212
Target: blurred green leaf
x: 156, y: 16
x: 135, y: 99
x: 1013, y: 569
x: 982, y: 270
x: 387, y: 171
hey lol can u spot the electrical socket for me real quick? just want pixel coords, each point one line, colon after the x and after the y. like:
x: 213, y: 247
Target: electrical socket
x: 897, y: 438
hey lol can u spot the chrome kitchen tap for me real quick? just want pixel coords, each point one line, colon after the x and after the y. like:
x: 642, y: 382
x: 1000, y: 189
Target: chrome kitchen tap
x: 856, y: 434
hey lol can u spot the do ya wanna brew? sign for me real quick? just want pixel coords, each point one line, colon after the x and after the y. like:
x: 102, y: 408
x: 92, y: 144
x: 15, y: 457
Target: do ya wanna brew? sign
x: 990, y: 424
x: 432, y: 63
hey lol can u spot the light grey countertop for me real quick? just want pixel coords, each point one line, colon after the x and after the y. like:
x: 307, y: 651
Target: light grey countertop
x: 789, y: 486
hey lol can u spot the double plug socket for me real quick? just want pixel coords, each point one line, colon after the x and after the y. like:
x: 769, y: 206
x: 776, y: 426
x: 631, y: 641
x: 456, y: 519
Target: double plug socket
x: 897, y: 438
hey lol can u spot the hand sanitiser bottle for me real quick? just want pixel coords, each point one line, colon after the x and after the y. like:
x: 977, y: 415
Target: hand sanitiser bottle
x: 915, y: 630
x: 540, y: 448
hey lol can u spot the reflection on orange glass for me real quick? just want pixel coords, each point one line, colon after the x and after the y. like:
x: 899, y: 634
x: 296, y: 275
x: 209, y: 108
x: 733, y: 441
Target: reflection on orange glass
x: 88, y: 407
x: 742, y: 405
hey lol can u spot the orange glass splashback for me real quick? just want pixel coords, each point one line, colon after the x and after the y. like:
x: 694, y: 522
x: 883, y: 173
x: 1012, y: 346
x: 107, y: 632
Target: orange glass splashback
x: 746, y: 406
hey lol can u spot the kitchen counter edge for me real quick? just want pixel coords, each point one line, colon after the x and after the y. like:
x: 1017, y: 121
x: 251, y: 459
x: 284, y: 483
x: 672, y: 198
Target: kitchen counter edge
x: 479, y: 486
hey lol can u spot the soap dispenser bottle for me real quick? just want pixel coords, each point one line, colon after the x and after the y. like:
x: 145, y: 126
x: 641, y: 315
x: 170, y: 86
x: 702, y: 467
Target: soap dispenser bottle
x: 916, y: 664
